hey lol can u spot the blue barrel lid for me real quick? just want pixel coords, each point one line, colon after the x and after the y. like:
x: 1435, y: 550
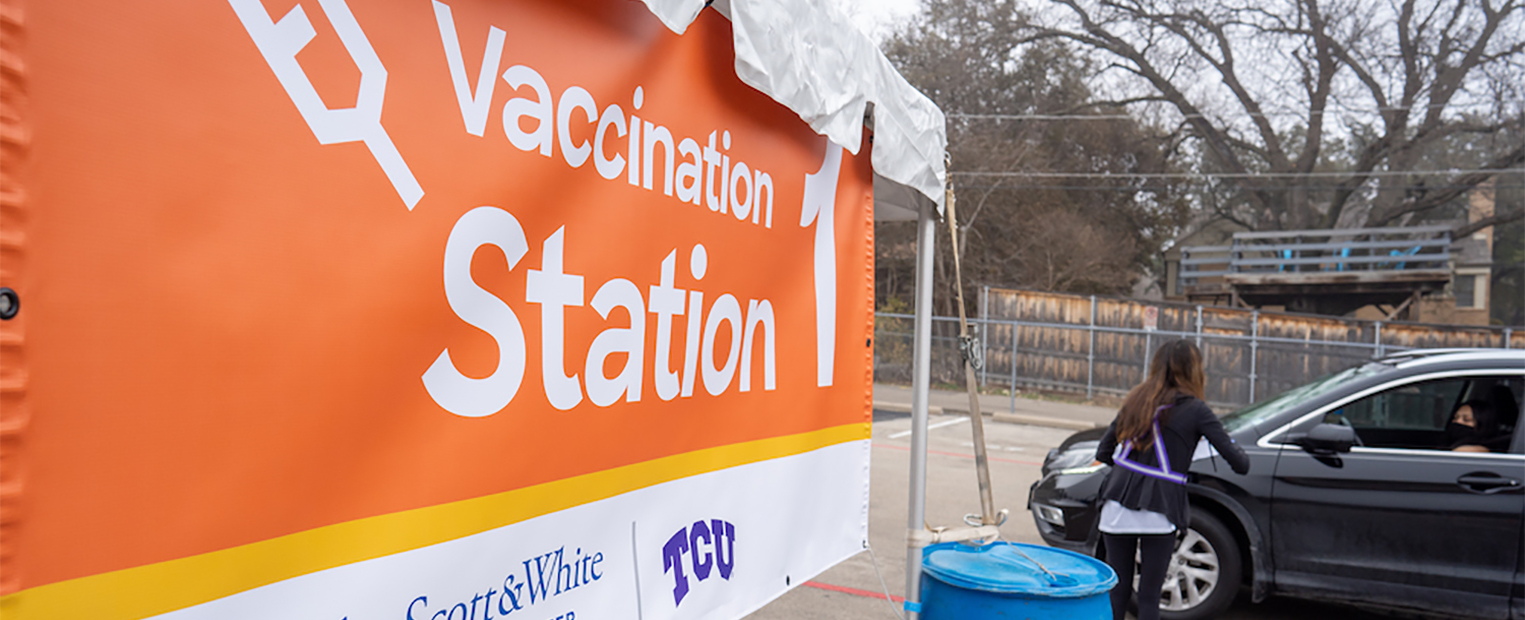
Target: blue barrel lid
x: 1017, y: 568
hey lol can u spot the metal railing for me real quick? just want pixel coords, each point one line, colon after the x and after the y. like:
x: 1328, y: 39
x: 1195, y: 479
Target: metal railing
x: 1049, y: 356
x: 1294, y: 252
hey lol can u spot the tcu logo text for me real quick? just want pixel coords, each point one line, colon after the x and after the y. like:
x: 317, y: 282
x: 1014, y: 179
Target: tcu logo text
x: 710, y: 547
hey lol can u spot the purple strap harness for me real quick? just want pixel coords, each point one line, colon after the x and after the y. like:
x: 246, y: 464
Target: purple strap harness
x: 1163, y: 471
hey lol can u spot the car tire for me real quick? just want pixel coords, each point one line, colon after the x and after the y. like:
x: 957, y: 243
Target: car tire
x: 1206, y: 566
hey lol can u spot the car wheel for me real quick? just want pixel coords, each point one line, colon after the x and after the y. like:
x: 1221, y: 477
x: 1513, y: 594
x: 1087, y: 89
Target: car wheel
x: 1204, y: 573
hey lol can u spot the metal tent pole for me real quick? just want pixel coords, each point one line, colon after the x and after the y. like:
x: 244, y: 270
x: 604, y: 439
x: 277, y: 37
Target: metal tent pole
x: 1254, y: 349
x: 984, y: 333
x: 921, y: 375
x: 1091, y: 352
x: 1012, y: 384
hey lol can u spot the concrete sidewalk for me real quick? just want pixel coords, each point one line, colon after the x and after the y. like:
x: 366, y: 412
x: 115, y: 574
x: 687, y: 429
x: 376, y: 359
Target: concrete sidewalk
x: 1028, y: 411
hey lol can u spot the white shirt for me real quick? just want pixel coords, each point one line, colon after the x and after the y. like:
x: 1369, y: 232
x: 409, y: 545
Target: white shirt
x: 1119, y: 519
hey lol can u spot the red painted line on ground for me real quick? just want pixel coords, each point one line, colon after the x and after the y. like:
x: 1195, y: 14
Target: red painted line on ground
x: 854, y: 591
x: 957, y: 454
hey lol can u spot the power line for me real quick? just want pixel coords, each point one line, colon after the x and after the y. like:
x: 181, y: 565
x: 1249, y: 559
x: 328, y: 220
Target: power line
x: 1145, y: 188
x: 1053, y: 117
x: 1230, y: 175
x: 1102, y: 117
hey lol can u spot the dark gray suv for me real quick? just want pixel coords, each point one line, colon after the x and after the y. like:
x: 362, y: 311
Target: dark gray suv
x: 1353, y: 495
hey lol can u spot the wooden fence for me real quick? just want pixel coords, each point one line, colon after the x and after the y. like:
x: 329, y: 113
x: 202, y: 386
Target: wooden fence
x: 1093, y: 345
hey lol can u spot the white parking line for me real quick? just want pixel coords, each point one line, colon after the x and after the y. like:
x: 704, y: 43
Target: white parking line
x: 970, y: 444
x: 932, y: 427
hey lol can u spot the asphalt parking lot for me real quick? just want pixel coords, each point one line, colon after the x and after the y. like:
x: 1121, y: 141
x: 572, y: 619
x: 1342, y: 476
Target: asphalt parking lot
x: 853, y: 590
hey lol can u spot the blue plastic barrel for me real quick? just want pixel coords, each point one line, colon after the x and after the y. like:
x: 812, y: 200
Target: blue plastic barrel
x: 1013, y: 580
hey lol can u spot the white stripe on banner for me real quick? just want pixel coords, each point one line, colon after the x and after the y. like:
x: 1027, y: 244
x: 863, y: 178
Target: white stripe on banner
x: 715, y: 545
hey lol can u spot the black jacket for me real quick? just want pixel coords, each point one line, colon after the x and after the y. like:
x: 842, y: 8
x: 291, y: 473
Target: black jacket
x: 1181, y: 426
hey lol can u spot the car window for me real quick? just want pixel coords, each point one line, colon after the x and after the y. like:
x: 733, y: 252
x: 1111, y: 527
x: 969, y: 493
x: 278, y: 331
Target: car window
x: 1505, y: 396
x: 1416, y: 415
x: 1416, y: 407
x: 1289, y: 399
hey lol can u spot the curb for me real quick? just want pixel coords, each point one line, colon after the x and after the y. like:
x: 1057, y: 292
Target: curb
x: 1038, y: 420
x: 1009, y: 418
x: 906, y: 408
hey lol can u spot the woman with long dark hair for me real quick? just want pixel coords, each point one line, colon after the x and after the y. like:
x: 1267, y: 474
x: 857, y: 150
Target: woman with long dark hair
x: 1474, y: 427
x: 1149, y: 447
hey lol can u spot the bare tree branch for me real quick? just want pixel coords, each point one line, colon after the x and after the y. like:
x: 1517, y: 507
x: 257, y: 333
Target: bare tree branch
x: 1455, y: 188
x: 1413, y: 60
x: 1494, y: 220
x: 1216, y: 139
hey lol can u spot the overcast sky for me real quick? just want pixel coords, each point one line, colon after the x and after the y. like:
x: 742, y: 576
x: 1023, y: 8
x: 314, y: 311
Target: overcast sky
x: 877, y: 18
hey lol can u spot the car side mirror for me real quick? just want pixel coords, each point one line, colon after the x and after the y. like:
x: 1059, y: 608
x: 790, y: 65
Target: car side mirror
x: 1328, y: 439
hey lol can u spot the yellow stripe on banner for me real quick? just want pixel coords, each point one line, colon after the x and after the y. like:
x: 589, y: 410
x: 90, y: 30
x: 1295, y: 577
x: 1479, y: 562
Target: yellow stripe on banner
x: 144, y: 591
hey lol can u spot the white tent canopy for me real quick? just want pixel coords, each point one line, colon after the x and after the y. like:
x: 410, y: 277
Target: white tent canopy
x: 811, y: 59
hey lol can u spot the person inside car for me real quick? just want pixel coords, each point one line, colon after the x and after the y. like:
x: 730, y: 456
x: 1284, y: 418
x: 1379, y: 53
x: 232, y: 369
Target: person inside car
x: 1474, y: 428
x: 1506, y: 410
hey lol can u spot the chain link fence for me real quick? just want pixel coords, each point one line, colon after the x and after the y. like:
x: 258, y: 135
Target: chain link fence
x: 1091, y: 350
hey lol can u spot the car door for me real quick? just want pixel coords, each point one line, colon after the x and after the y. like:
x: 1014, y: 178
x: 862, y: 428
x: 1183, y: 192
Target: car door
x: 1400, y: 520
x: 1516, y: 397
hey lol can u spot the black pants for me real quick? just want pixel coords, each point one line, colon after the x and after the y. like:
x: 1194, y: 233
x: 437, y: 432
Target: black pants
x: 1154, y: 551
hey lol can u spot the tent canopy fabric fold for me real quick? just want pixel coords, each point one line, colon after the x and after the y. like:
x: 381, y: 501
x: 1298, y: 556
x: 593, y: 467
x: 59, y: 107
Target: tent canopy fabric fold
x: 813, y: 60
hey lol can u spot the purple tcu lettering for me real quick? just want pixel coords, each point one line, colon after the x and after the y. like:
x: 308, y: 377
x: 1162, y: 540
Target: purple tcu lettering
x: 725, y: 561
x: 704, y: 561
x: 672, y: 562
x: 709, y: 546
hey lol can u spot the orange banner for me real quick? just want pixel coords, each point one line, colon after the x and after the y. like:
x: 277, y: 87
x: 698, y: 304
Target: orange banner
x: 289, y: 265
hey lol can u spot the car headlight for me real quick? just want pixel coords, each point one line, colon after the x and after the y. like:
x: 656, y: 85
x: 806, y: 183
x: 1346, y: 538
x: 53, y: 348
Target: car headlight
x: 1050, y: 514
